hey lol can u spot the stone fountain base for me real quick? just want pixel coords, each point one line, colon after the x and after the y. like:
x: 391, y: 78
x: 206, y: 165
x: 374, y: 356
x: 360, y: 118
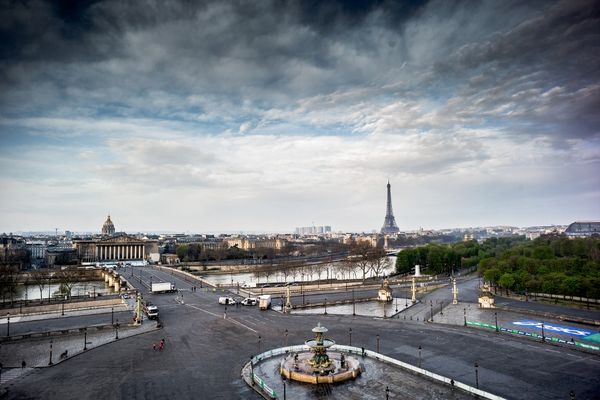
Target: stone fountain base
x: 297, y: 368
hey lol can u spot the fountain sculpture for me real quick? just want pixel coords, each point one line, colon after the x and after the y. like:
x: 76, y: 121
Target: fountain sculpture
x: 317, y: 365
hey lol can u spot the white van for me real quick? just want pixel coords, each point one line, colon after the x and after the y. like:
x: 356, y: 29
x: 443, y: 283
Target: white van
x: 226, y: 301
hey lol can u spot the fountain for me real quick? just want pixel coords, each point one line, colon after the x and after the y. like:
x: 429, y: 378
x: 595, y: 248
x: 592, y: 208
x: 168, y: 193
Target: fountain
x: 385, y: 292
x: 319, y: 366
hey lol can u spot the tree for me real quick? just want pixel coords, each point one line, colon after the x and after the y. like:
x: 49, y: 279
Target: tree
x: 378, y: 261
x: 506, y: 281
x: 39, y: 277
x: 67, y: 278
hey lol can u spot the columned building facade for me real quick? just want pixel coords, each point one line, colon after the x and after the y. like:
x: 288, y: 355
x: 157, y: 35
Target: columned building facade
x: 117, y: 248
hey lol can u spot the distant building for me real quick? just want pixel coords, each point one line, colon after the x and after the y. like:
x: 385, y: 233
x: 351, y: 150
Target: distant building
x: 115, y: 248
x: 583, y: 229
x: 108, y: 228
x: 313, y: 230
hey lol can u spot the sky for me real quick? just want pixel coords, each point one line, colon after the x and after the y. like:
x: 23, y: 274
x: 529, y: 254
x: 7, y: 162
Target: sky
x: 267, y: 115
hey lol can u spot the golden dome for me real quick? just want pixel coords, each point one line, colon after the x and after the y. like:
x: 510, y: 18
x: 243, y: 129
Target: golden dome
x: 108, y: 228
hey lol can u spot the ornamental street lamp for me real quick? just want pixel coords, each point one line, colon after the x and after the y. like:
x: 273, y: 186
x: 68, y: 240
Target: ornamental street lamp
x: 50, y: 362
x: 252, y: 370
x: 543, y: 336
x: 325, y: 306
x: 419, y: 356
x: 84, y: 339
x: 259, y: 339
x: 496, y: 319
x: 476, y: 376
x: 117, y: 330
x: 284, y: 393
x: 431, y: 306
x: 8, y: 324
x: 353, y: 303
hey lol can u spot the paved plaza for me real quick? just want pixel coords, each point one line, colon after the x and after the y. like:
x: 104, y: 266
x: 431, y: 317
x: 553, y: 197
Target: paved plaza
x: 205, y: 352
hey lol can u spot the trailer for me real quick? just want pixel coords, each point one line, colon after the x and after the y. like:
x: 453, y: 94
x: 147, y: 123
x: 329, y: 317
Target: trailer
x: 264, y: 301
x: 162, y: 287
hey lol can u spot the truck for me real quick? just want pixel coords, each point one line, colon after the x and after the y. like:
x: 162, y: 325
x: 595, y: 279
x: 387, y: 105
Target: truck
x: 264, y: 301
x: 151, y: 310
x: 163, y: 287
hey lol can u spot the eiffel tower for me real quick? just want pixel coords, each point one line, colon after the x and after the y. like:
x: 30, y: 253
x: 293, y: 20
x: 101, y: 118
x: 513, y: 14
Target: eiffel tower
x: 389, y: 225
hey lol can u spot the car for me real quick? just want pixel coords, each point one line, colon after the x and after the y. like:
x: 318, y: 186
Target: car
x: 227, y: 301
x: 249, y: 301
x: 125, y: 295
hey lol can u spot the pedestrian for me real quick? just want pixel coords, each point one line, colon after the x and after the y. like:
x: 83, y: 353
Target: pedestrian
x: 23, y: 364
x: 162, y: 344
x: 154, y: 346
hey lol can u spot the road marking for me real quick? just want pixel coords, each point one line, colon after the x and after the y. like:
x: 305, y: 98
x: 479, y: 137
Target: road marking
x: 226, y: 319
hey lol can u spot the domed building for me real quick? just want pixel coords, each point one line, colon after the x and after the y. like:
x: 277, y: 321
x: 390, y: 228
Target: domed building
x: 108, y: 228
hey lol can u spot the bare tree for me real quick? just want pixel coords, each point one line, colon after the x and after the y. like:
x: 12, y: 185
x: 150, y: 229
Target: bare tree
x: 359, y: 254
x: 8, y: 281
x: 67, y: 278
x: 39, y: 277
x: 378, y: 260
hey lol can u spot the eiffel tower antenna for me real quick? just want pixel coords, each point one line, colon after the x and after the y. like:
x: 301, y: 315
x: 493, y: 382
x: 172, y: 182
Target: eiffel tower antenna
x: 389, y: 224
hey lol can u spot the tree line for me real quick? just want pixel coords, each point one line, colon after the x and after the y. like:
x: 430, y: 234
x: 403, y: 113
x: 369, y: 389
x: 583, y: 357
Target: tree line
x: 553, y: 264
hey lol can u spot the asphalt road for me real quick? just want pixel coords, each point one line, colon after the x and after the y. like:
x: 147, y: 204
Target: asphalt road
x: 205, y: 352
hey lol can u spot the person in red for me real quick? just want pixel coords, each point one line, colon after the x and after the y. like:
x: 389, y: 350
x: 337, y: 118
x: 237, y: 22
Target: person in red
x: 162, y: 344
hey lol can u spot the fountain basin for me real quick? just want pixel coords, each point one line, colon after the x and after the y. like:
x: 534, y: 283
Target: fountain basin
x: 298, y: 368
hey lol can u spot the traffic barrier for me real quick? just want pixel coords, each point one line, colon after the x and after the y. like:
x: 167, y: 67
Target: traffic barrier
x: 534, y: 335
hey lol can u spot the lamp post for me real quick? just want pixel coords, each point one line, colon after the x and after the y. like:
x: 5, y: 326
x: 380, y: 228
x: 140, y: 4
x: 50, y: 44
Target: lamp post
x: 431, y: 306
x: 286, y: 338
x: 441, y: 308
x: 419, y: 356
x: 465, y: 316
x: 117, y: 330
x: 496, y: 319
x: 259, y: 339
x: 112, y: 315
x: 84, y: 339
x: 396, y: 304
x: 325, y: 306
x: 252, y: 370
x: 353, y: 303
x: 350, y: 336
x: 284, y: 393
x: 378, y: 343
x: 476, y: 376
x: 8, y: 324
x: 50, y: 362
x: 63, y: 307
x: 543, y: 336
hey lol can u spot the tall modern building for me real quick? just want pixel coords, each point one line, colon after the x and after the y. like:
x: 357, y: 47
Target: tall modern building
x: 389, y: 225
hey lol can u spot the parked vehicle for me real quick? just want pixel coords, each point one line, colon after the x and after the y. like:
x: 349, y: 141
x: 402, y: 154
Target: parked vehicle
x: 264, y: 301
x: 163, y: 287
x: 249, y: 301
x: 227, y: 301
